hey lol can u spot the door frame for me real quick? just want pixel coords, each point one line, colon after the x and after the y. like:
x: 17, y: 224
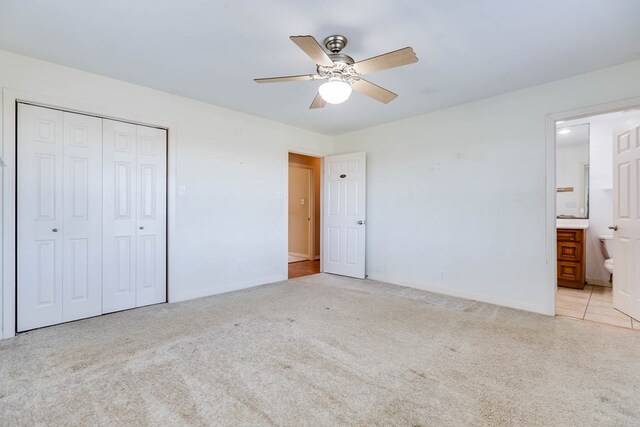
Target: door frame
x: 318, y: 155
x: 311, y: 208
x: 550, y: 181
x: 8, y: 150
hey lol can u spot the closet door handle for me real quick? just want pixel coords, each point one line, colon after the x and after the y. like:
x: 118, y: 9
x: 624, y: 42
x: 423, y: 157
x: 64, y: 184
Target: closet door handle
x: 141, y: 228
x: 55, y: 230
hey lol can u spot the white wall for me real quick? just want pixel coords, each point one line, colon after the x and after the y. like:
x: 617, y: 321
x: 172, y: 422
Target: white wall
x: 231, y: 225
x: 456, y: 198
x: 600, y: 195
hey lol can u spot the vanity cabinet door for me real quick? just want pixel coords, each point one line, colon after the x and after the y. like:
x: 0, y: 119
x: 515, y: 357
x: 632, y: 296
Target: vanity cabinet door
x: 570, y: 272
x: 569, y: 235
x: 569, y: 251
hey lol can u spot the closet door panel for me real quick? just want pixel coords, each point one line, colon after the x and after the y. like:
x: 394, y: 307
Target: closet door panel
x: 39, y: 217
x: 151, y: 216
x: 119, y: 235
x: 82, y: 216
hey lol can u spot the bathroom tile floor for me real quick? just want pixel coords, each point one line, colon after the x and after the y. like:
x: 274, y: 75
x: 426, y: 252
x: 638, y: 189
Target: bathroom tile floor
x: 593, y: 303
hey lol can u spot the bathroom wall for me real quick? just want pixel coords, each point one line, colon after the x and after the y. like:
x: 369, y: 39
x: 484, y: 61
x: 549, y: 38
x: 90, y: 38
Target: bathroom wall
x: 600, y: 195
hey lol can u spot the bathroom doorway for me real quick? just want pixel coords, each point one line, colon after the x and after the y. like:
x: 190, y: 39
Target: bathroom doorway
x: 304, y: 215
x: 587, y: 205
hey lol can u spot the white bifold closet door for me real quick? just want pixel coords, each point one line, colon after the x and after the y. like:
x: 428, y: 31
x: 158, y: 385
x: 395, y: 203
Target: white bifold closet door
x: 91, y: 216
x: 59, y: 217
x: 134, y: 216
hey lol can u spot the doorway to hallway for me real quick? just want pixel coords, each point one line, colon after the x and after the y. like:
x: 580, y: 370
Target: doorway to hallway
x: 304, y: 215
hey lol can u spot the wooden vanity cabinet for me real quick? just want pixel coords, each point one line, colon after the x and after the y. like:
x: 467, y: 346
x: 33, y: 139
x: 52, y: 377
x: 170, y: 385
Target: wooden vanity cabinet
x: 571, y: 257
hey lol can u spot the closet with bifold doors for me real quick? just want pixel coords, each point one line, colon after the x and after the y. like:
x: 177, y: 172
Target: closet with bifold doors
x: 91, y: 216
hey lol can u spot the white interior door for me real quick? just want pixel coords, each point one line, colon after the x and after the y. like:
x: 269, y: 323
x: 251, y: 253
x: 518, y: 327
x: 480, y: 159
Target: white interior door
x: 81, y: 217
x: 151, y: 216
x: 59, y: 216
x: 119, y: 233
x: 626, y: 215
x: 134, y: 230
x: 39, y: 217
x: 344, y: 214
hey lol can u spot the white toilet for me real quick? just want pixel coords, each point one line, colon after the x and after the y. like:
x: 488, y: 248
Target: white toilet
x: 606, y: 247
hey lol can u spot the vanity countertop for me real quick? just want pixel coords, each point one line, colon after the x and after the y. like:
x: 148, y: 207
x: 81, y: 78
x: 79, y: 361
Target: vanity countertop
x: 574, y: 223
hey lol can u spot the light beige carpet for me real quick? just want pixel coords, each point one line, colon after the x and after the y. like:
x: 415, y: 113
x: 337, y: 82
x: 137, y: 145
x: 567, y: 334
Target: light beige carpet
x: 322, y: 350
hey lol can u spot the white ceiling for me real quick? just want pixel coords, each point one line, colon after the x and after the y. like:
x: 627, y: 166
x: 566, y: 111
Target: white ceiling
x: 578, y: 135
x: 211, y: 50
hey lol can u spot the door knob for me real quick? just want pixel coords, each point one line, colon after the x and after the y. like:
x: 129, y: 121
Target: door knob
x: 55, y: 230
x: 613, y: 227
x: 141, y: 228
x: 361, y: 222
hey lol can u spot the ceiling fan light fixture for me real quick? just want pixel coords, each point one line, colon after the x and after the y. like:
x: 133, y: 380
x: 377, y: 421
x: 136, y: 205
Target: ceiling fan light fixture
x: 342, y: 72
x: 335, y: 91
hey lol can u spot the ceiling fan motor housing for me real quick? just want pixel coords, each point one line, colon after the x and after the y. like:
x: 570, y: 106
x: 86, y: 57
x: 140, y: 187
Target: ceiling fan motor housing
x: 341, y: 62
x: 335, y: 43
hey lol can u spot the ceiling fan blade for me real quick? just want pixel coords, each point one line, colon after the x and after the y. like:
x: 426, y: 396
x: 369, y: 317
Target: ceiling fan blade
x: 286, y: 78
x: 317, y: 102
x: 385, y: 61
x: 313, y: 49
x: 374, y: 91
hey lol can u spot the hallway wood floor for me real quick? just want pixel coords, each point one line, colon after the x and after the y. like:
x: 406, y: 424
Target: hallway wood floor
x: 303, y: 268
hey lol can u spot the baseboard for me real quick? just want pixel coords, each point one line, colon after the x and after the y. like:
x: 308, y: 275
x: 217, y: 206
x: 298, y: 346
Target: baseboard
x: 467, y: 295
x: 305, y: 256
x: 598, y: 282
x: 227, y: 288
x: 206, y: 292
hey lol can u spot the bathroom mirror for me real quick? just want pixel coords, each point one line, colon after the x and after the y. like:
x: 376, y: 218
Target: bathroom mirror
x: 572, y: 171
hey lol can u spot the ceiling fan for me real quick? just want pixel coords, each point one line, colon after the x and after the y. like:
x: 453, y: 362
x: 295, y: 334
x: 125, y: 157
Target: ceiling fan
x: 342, y: 73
